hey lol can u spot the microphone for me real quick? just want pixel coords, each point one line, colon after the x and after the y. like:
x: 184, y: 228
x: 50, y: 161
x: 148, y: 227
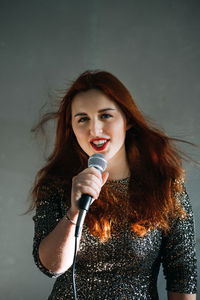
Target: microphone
x: 98, y: 161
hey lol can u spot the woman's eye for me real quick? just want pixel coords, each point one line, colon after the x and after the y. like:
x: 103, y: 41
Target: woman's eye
x: 83, y: 119
x: 106, y: 116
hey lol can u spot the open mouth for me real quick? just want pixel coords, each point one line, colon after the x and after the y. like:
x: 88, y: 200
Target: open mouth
x: 99, y: 144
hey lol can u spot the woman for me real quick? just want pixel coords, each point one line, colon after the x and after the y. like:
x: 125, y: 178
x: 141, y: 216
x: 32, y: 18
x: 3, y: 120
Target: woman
x: 141, y: 214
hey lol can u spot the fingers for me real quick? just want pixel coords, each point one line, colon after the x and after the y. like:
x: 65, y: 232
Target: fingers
x: 88, y: 182
x: 86, y: 186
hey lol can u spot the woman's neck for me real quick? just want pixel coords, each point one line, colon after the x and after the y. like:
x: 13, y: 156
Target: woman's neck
x: 118, y: 168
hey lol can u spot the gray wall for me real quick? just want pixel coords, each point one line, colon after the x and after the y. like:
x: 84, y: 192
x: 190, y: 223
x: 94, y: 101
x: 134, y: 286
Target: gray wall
x: 152, y: 46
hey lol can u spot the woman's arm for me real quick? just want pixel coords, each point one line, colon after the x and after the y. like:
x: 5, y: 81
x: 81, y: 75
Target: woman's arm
x: 52, y: 229
x: 179, y: 296
x: 179, y: 255
x: 56, y: 250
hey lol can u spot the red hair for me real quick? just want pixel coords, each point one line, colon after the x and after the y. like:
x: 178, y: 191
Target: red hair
x: 154, y: 161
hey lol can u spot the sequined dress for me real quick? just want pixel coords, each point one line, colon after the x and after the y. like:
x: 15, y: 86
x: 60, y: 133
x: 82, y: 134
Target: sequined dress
x: 126, y: 266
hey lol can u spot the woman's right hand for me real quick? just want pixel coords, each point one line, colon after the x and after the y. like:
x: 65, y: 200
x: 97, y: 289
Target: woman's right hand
x: 89, y: 181
x: 56, y: 250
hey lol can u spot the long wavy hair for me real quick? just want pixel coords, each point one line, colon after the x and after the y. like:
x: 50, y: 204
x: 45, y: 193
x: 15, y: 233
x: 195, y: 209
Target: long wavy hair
x: 154, y: 160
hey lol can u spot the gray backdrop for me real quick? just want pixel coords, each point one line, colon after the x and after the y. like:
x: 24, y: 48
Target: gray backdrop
x: 152, y: 46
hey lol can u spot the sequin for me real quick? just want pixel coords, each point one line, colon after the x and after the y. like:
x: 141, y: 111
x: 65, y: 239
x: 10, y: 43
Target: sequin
x: 126, y: 266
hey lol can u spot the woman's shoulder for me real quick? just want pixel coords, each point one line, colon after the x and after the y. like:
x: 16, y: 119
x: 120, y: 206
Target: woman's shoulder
x: 52, y: 187
x: 183, y: 205
x: 181, y: 194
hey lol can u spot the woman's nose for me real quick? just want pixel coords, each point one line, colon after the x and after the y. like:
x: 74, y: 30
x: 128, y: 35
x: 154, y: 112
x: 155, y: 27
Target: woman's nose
x: 95, y: 127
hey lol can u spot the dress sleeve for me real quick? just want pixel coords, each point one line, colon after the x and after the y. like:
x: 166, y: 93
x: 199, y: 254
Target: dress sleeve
x: 178, y: 252
x: 48, y: 214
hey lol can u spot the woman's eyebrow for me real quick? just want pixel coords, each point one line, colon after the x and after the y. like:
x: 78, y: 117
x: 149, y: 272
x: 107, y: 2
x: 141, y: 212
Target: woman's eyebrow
x: 99, y: 111
x: 80, y: 114
x: 105, y: 109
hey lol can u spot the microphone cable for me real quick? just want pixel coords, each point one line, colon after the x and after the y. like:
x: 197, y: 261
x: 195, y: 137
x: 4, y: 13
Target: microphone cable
x: 84, y: 205
x: 98, y: 161
x: 74, y: 268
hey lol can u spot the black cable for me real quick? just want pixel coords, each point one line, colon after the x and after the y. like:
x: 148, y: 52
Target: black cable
x: 73, y: 268
x: 98, y: 161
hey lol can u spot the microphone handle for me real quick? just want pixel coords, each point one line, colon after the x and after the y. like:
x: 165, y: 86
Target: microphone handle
x: 84, y: 205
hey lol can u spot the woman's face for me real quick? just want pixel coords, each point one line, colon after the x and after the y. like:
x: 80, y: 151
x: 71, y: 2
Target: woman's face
x: 98, y: 124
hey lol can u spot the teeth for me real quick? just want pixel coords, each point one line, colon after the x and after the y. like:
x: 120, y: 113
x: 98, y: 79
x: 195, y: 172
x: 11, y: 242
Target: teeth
x: 99, y: 143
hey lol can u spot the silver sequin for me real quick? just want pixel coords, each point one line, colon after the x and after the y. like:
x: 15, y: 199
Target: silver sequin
x: 126, y: 266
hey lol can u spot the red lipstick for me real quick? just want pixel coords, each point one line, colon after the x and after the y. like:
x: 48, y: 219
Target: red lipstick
x: 99, y: 146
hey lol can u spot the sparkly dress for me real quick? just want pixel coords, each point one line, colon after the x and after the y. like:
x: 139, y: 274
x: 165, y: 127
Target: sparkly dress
x: 126, y: 266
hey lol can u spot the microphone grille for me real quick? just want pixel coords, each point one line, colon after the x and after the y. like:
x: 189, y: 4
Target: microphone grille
x: 98, y: 161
